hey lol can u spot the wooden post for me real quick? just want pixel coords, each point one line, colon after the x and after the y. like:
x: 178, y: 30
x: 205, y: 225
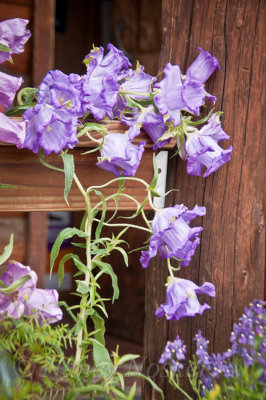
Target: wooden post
x: 232, y: 249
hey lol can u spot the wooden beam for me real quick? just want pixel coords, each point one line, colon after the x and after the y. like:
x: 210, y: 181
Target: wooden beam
x: 232, y: 249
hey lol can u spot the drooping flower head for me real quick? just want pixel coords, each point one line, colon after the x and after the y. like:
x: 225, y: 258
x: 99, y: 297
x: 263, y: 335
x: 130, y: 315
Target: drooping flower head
x: 174, y: 95
x: 13, y: 34
x: 172, y: 236
x: 9, y: 85
x: 51, y: 129
x: 182, y: 301
x: 202, y: 68
x: 174, y: 352
x: 44, y: 304
x: 12, y: 304
x: 12, y: 131
x: 201, y: 148
x: 119, y: 155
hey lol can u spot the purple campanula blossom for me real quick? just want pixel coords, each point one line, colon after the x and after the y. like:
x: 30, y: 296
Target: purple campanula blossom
x: 44, y: 303
x: 136, y: 82
x: 13, y: 34
x: 50, y: 129
x: 119, y: 155
x: 174, y: 95
x: 100, y: 86
x: 182, y: 301
x: 174, y: 352
x: 61, y: 91
x: 202, y: 68
x: 151, y: 122
x: 9, y: 85
x: 12, y: 131
x: 12, y: 305
x: 172, y: 236
x: 201, y: 148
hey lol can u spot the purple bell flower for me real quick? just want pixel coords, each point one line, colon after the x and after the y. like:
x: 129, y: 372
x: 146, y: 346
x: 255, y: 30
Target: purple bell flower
x: 100, y: 86
x: 202, y: 68
x: 182, y: 301
x: 119, y: 155
x: 12, y: 131
x: 12, y: 305
x: 172, y: 236
x: 201, y: 148
x: 44, y: 303
x: 173, y: 95
x: 50, y: 129
x: 13, y: 34
x: 9, y: 85
x: 61, y: 91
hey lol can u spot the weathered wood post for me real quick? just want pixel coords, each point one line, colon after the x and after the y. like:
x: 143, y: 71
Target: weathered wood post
x: 232, y: 249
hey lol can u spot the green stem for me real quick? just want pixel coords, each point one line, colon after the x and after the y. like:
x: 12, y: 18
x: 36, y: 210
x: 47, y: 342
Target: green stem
x: 135, y: 93
x: 175, y: 384
x: 126, y: 225
x: 170, y: 268
x: 83, y: 302
x: 120, y: 178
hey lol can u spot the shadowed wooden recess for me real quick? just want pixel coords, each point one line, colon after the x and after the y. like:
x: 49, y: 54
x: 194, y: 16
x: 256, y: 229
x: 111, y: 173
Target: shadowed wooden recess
x: 39, y: 188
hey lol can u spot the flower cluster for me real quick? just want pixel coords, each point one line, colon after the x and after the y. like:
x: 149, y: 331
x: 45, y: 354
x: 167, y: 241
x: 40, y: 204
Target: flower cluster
x: 13, y: 36
x: 19, y: 295
x: 110, y: 88
x: 248, y: 348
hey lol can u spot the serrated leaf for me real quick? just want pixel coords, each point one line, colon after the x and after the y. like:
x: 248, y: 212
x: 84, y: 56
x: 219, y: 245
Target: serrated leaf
x: 107, y: 268
x: 69, y: 169
x: 63, y: 235
x: 7, y: 250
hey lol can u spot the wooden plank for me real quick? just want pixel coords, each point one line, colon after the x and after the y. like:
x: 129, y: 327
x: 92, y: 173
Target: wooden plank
x: 43, y: 39
x: 232, y: 250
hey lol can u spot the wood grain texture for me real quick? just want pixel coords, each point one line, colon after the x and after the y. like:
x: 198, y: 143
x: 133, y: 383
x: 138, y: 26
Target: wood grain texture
x: 43, y: 39
x: 232, y: 249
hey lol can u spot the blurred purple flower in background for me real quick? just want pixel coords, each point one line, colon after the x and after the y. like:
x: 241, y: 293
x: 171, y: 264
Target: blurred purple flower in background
x: 172, y: 236
x: 44, y: 304
x: 182, y: 301
x: 174, y: 352
x: 119, y: 155
x: 9, y: 85
x: 13, y: 34
x: 12, y: 131
x: 12, y: 305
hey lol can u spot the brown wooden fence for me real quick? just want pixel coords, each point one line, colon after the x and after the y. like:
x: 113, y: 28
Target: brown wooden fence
x: 232, y: 250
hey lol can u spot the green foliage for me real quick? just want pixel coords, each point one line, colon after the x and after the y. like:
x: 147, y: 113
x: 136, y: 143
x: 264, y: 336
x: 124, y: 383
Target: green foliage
x: 69, y: 169
x: 7, y: 251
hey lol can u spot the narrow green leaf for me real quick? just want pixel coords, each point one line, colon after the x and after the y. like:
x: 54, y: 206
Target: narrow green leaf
x: 200, y: 121
x: 6, y: 186
x: 46, y: 164
x: 101, y: 356
x: 5, y: 48
x: 155, y: 176
x: 63, y: 235
x: 61, y: 268
x: 15, y: 285
x: 126, y: 358
x: 124, y: 254
x: 7, y: 250
x: 132, y: 392
x: 107, y: 268
x: 145, y: 378
x: 100, y: 224
x: 69, y: 169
